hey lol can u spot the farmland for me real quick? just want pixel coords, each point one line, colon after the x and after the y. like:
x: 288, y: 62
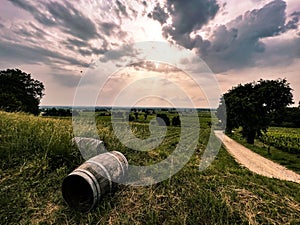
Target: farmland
x: 286, y: 139
x: 37, y: 153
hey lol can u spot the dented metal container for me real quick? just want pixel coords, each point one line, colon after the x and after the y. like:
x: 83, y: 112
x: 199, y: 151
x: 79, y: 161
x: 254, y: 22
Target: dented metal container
x: 83, y: 188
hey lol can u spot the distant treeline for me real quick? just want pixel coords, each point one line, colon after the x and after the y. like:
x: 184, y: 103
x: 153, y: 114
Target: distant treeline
x: 289, y: 118
x: 56, y: 112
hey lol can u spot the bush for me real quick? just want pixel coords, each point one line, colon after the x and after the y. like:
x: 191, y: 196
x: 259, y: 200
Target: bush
x: 176, y: 121
x: 165, y: 119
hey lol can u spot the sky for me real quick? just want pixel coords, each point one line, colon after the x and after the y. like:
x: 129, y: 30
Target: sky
x: 61, y: 43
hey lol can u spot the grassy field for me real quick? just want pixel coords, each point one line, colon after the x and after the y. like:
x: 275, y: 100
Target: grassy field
x: 289, y: 159
x: 37, y: 153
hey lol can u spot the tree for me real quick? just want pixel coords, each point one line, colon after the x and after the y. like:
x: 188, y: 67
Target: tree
x: 19, y: 92
x: 60, y: 112
x: 252, y: 106
x: 176, y: 121
x: 136, y: 114
x: 290, y: 118
x: 145, y: 114
x: 162, y: 119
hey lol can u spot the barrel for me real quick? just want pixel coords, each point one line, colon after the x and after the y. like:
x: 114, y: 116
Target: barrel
x: 89, y: 147
x: 83, y: 188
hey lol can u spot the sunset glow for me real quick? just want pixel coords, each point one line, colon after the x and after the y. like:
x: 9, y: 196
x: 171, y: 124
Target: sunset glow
x: 240, y: 41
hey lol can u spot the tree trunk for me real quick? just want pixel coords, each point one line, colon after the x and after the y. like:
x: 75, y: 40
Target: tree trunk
x: 251, y: 137
x: 228, y: 131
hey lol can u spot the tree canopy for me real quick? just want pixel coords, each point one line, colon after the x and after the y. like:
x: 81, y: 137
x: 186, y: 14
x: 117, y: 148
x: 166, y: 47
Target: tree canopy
x: 19, y: 92
x: 252, y: 106
x: 58, y: 112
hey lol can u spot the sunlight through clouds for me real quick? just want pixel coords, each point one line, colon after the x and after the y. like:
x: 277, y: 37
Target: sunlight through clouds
x: 231, y: 36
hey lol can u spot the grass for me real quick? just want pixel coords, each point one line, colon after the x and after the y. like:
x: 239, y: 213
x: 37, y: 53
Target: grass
x: 38, y: 153
x: 287, y: 159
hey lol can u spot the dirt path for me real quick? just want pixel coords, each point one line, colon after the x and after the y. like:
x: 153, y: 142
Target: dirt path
x: 255, y: 162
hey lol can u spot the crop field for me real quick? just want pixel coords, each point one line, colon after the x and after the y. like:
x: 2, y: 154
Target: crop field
x: 287, y: 139
x: 37, y: 153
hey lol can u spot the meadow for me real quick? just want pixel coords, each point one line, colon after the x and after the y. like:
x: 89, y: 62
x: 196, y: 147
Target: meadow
x: 36, y: 154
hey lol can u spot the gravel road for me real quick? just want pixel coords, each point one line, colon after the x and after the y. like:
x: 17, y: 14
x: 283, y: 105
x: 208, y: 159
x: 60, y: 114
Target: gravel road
x: 255, y: 162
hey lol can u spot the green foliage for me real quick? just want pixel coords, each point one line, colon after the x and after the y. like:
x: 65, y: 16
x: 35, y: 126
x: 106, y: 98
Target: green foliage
x: 162, y: 119
x: 282, y: 138
x: 253, y: 105
x: 19, y: 92
x: 57, y: 112
x: 176, y: 121
x: 290, y: 117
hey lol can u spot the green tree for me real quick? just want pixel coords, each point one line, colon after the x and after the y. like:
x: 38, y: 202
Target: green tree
x: 162, y: 119
x: 290, y: 118
x: 57, y: 112
x: 176, y: 121
x: 252, y: 106
x: 136, y: 114
x: 19, y: 92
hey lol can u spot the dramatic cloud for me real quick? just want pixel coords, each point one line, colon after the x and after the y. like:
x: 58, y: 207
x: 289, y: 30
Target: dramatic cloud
x: 293, y: 23
x: 159, y: 14
x: 66, y: 37
x: 187, y: 16
x: 121, y: 9
x: 123, y: 54
x: 61, y: 34
x: 66, y: 16
x: 234, y: 45
x: 13, y: 52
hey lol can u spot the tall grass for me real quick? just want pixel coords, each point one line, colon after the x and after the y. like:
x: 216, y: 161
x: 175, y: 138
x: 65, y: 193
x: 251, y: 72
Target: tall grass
x: 37, y: 153
x: 24, y: 137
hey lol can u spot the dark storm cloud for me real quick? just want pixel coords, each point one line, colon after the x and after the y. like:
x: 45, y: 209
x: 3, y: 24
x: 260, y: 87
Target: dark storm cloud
x: 234, y: 45
x: 237, y: 44
x: 77, y: 42
x: 99, y: 51
x: 65, y: 16
x: 159, y: 14
x: 111, y: 29
x: 107, y: 28
x: 293, y: 23
x: 125, y: 51
x: 121, y: 8
x: 187, y: 16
